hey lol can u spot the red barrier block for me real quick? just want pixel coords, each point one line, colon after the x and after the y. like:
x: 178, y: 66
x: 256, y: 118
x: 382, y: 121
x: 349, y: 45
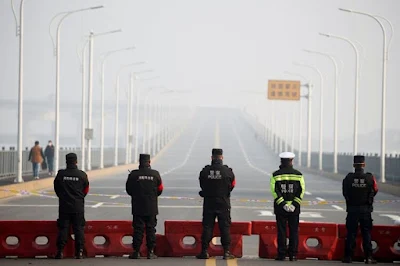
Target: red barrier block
x: 176, y: 231
x: 113, y: 233
x: 324, y: 233
x: 26, y: 233
x: 385, y: 236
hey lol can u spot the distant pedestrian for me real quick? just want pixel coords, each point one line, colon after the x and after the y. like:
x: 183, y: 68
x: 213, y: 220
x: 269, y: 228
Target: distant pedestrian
x: 49, y: 153
x: 36, y: 157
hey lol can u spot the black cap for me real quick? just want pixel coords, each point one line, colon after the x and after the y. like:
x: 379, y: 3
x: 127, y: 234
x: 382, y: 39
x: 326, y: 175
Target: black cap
x: 144, y: 157
x: 71, y: 157
x: 216, y: 152
x: 359, y: 159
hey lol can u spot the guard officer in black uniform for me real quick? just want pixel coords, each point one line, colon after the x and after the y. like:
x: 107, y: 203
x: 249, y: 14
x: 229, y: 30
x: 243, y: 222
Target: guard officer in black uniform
x: 216, y: 182
x: 144, y: 185
x: 288, y: 188
x: 359, y: 189
x: 71, y: 186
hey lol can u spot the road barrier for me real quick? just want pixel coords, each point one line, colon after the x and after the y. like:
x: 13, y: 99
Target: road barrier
x: 22, y: 239
x: 176, y: 231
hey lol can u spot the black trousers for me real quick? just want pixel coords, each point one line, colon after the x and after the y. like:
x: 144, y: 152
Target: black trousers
x: 353, y: 219
x: 77, y: 220
x: 224, y: 223
x: 281, y: 222
x: 139, y: 225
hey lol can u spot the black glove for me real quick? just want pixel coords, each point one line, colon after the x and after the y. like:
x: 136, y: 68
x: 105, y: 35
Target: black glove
x: 201, y: 193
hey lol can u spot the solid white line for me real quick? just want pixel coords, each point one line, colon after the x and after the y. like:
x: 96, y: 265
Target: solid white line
x: 307, y: 193
x: 337, y: 207
x: 114, y: 197
x: 301, y: 221
x: 97, y: 205
x: 320, y: 199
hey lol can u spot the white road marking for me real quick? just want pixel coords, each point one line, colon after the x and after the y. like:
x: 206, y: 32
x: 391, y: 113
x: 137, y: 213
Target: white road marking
x: 196, y: 137
x: 302, y: 214
x: 337, y: 207
x: 114, y: 197
x: 307, y: 193
x: 395, y: 218
x: 245, y: 154
x: 301, y: 221
x: 320, y: 199
x: 97, y: 205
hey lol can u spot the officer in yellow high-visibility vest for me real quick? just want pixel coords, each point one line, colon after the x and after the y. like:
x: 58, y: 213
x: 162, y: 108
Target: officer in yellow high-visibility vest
x: 287, y: 187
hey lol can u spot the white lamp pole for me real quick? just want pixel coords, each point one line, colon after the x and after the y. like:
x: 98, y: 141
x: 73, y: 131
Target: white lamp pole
x: 384, y: 67
x: 20, y: 34
x: 57, y: 53
x: 357, y: 77
x: 103, y: 61
x: 116, y: 137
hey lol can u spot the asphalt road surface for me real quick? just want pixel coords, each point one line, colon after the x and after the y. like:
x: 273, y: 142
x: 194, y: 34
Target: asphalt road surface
x: 180, y: 165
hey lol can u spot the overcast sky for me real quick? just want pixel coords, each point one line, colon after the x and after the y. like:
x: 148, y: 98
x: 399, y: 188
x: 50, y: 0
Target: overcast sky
x: 216, y: 48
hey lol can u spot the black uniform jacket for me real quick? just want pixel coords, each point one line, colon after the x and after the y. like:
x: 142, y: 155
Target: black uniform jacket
x: 144, y: 185
x: 287, y: 187
x: 216, y: 181
x: 359, y: 190
x: 71, y: 186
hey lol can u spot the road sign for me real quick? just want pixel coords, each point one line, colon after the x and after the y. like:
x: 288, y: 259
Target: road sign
x: 284, y: 90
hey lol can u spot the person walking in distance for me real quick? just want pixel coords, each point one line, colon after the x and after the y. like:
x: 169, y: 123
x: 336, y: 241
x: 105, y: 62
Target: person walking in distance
x: 36, y: 157
x: 287, y: 188
x: 71, y: 186
x: 144, y: 185
x: 49, y: 154
x: 217, y: 182
x: 359, y: 189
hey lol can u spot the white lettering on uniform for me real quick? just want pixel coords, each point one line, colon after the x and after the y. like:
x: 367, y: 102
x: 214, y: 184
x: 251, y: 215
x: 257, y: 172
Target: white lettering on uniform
x: 69, y: 178
x: 359, y: 183
x: 214, y: 175
x: 146, y: 178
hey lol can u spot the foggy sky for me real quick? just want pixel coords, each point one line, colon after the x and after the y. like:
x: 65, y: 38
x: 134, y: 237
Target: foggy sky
x: 216, y: 48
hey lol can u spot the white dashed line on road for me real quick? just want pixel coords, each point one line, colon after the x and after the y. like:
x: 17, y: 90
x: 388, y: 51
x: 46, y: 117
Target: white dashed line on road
x: 337, y: 207
x: 320, y: 199
x: 307, y: 193
x: 98, y: 205
x: 114, y: 197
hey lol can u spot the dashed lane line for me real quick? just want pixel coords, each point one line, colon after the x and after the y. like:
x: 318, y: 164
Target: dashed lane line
x: 320, y: 199
x: 97, y: 205
x: 337, y: 207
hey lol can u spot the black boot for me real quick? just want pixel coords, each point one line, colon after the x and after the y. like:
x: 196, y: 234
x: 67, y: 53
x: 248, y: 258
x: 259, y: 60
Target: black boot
x: 228, y: 255
x: 292, y: 258
x: 79, y: 254
x: 151, y: 255
x: 59, y: 254
x: 280, y: 258
x: 203, y: 255
x: 370, y: 260
x: 135, y: 255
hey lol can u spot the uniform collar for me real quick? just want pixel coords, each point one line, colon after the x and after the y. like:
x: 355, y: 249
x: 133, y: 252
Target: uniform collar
x: 72, y: 166
x: 216, y: 161
x: 144, y: 167
x: 285, y: 166
x: 359, y: 170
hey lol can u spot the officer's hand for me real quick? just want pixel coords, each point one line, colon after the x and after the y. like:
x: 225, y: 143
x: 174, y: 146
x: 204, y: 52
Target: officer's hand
x: 292, y: 208
x: 201, y: 193
x: 286, y: 207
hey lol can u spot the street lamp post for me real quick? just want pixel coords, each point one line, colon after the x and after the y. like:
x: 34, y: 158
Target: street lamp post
x: 129, y: 116
x: 309, y: 97
x: 321, y: 120
x: 335, y: 164
x: 117, y: 109
x: 57, y: 53
x: 355, y: 139
x: 384, y: 70
x: 20, y: 34
x: 102, y: 101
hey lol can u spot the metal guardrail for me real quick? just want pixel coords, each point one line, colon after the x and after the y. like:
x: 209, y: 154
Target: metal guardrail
x: 345, y: 160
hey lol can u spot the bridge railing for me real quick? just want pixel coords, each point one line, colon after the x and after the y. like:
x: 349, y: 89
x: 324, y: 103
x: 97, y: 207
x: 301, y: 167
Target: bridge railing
x: 345, y: 160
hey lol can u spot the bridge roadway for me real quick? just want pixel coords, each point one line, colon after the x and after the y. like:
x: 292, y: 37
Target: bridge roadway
x: 179, y: 166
